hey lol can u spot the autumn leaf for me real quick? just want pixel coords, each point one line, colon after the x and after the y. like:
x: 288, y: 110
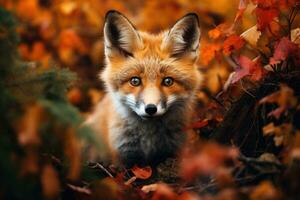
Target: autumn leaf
x: 285, y: 99
x: 205, y: 161
x: 251, y: 35
x: 286, y: 49
x: 165, y: 192
x: 208, y: 52
x: 233, y: 42
x: 198, y: 124
x: 282, y: 133
x: 265, y: 17
x: 295, y: 36
x: 248, y: 67
x: 74, y: 96
x: 264, y: 191
x: 221, y: 30
x: 265, y: 3
x: 215, y: 33
x: 28, y: 10
x: 142, y: 173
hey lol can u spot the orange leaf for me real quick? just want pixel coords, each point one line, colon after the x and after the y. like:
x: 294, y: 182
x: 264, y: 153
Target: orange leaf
x: 265, y: 190
x: 221, y: 30
x: 198, y: 124
x: 214, y: 33
x: 208, y: 52
x: 75, y: 96
x: 233, y: 42
x: 142, y: 173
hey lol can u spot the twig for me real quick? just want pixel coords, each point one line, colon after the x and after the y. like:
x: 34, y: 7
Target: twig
x: 256, y: 161
x: 246, y: 91
x: 98, y: 165
x: 82, y: 190
x: 239, y: 181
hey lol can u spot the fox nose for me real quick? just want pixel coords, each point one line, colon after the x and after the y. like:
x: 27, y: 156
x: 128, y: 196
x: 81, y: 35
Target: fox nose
x: 151, y: 109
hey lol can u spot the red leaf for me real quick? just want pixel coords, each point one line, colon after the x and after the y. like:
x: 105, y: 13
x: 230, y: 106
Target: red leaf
x: 233, y: 42
x: 265, y: 3
x: 265, y: 16
x: 284, y: 49
x: 221, y: 30
x: 248, y: 68
x: 142, y: 173
x: 277, y: 112
x: 198, y: 124
x: 204, y: 160
x: 209, y: 52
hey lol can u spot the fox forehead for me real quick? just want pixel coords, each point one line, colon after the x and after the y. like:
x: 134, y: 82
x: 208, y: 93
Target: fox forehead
x: 152, y: 46
x: 150, y: 59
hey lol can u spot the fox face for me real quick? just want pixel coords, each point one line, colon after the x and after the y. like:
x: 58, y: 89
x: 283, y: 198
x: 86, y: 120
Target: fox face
x: 146, y: 74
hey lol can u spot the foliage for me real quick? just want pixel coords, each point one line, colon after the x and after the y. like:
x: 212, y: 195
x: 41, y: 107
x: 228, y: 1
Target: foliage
x: 247, y: 119
x: 37, y: 123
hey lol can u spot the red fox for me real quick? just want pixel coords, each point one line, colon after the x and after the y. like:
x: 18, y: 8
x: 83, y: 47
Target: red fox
x: 151, y: 82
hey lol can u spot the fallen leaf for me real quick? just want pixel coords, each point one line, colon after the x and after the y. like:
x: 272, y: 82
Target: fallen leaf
x: 142, y: 173
x: 149, y: 188
x: 163, y: 191
x: 204, y: 160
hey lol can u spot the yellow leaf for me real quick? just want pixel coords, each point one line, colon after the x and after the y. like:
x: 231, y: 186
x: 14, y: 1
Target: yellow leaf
x: 295, y: 35
x: 269, y: 129
x: 251, y: 35
x: 68, y: 7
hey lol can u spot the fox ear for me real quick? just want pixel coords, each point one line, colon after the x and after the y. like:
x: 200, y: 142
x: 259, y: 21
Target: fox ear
x: 120, y: 36
x: 183, y: 37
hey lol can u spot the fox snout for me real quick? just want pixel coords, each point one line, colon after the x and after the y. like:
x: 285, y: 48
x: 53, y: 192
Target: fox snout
x: 149, y: 103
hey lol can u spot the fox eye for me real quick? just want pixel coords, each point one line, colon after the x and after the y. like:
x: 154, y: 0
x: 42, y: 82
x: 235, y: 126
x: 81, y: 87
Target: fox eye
x: 135, y: 81
x: 168, y: 81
